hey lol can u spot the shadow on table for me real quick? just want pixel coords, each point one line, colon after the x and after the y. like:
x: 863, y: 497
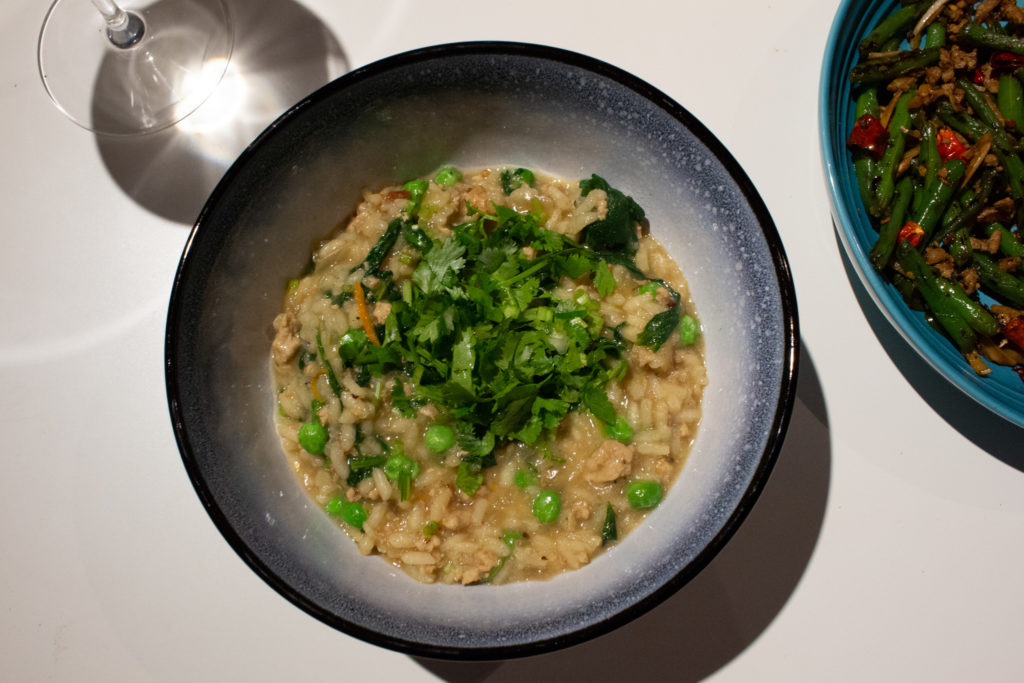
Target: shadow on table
x: 282, y: 53
x: 995, y: 435
x: 716, y: 616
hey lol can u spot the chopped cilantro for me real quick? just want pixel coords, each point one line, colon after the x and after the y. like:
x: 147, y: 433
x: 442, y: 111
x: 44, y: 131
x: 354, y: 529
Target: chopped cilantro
x: 480, y: 332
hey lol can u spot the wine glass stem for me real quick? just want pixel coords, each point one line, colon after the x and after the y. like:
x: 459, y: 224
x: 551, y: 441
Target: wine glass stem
x: 124, y: 29
x: 116, y: 17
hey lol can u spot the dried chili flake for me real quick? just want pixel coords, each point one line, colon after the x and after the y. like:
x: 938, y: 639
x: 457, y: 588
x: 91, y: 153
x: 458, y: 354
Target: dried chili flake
x: 1006, y: 61
x: 1014, y: 331
x: 950, y: 146
x: 870, y: 135
x: 911, y: 232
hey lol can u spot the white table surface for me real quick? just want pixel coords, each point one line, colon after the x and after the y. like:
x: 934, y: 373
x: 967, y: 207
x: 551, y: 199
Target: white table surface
x: 887, y: 544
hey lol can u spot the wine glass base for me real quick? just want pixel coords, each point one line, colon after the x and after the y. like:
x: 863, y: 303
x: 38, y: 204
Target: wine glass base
x: 156, y: 82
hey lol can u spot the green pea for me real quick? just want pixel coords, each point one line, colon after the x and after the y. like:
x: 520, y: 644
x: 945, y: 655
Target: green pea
x: 619, y: 430
x: 313, y: 437
x: 352, y: 513
x: 439, y: 438
x: 689, y: 328
x: 643, y: 494
x: 547, y: 506
x: 448, y: 176
x: 524, y: 478
x: 334, y: 506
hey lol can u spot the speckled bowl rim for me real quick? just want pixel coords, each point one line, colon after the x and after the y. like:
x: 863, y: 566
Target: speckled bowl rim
x: 783, y: 401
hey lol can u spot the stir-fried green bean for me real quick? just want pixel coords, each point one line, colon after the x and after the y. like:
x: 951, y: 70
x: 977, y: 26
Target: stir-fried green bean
x: 943, y: 177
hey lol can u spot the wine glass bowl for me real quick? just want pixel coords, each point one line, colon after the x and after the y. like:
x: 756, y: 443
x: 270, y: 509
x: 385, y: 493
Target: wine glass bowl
x: 154, y: 81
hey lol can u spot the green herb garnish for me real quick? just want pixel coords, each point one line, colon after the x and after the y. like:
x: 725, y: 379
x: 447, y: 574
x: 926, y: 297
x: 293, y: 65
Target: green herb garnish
x: 479, y: 331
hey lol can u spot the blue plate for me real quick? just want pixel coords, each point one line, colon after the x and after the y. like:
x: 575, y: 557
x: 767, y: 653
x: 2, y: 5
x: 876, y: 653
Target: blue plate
x: 1001, y: 392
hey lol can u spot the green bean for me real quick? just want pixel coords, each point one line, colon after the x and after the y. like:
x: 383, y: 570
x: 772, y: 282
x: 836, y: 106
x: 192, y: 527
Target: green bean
x: 892, y: 45
x: 890, y: 67
x: 895, y: 23
x: 960, y: 248
x: 990, y: 117
x: 1009, y: 245
x: 1010, y: 100
x: 983, y: 37
x: 961, y: 123
x: 998, y: 280
x: 979, y: 319
x: 864, y: 165
x: 930, y: 153
x: 905, y: 286
x: 946, y: 314
x: 976, y: 201
x: 899, y: 122
x: 935, y: 35
x: 881, y: 251
x: 938, y: 199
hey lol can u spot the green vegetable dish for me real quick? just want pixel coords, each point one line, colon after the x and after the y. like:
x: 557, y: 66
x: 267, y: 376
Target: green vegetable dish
x: 489, y: 375
x: 937, y: 149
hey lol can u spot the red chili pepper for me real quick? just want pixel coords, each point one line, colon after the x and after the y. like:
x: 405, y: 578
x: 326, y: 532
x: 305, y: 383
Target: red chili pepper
x: 911, y: 232
x: 870, y: 135
x: 950, y: 146
x: 979, y: 76
x: 1006, y: 60
x: 1014, y: 331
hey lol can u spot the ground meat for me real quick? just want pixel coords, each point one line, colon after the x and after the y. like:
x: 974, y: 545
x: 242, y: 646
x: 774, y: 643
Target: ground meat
x: 969, y: 280
x: 1010, y: 264
x: 984, y: 9
x: 580, y: 511
x: 482, y: 562
x: 286, y: 338
x: 999, y: 212
x: 990, y: 245
x: 941, y: 260
x: 380, y: 312
x: 609, y: 462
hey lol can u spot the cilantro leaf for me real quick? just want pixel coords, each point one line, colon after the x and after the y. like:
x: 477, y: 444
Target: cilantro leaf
x: 604, y: 280
x: 439, y: 266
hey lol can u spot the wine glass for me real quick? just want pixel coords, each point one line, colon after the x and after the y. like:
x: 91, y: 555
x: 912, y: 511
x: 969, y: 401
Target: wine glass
x: 133, y: 68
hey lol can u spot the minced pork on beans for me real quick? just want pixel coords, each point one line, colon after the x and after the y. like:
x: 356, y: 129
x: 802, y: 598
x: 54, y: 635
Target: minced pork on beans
x: 489, y: 376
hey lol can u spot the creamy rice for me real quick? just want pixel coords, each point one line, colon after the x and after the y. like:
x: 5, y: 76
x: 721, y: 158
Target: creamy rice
x: 440, y: 533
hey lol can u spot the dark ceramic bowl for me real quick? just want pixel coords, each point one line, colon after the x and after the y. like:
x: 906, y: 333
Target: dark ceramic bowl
x: 1002, y: 391
x: 474, y: 104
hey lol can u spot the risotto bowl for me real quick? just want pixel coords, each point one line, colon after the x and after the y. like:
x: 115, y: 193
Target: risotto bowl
x: 474, y: 105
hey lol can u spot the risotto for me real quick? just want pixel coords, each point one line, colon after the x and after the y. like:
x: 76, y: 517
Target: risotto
x: 489, y: 376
